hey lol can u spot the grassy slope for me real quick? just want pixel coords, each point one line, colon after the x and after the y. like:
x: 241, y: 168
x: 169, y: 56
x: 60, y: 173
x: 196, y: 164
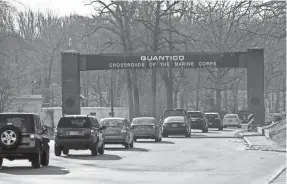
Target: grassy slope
x: 278, y: 133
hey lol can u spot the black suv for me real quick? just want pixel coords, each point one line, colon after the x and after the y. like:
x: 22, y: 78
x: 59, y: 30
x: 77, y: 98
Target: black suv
x: 22, y: 136
x: 197, y: 120
x: 173, y: 112
x: 79, y: 132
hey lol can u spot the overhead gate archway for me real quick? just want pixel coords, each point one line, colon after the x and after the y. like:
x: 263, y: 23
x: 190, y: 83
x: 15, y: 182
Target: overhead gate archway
x: 253, y: 60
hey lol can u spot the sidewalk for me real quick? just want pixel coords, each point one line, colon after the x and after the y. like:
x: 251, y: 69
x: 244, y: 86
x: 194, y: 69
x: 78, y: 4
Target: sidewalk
x: 256, y: 141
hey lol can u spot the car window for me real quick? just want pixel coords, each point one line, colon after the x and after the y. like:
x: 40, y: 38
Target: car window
x: 211, y: 116
x: 112, y: 122
x: 231, y: 116
x: 24, y: 122
x: 143, y: 121
x: 195, y: 114
x: 74, y: 122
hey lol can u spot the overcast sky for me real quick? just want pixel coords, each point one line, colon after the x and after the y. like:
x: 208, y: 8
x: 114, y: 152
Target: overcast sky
x: 60, y: 7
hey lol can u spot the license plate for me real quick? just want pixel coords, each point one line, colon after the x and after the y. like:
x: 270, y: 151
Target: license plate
x: 74, y: 133
x: 174, y: 125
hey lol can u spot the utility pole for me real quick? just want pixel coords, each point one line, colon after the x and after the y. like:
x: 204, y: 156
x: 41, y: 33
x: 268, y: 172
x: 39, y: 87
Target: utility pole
x: 284, y: 93
x: 197, y: 89
x: 112, y: 96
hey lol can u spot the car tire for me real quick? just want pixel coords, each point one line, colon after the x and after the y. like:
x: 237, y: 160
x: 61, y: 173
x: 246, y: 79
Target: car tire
x: 16, y: 133
x: 132, y: 144
x: 220, y: 128
x: 57, y: 151
x: 66, y: 151
x: 45, y: 158
x: 102, y: 149
x: 36, y: 160
x: 164, y: 135
x: 239, y: 126
x: 160, y: 139
x: 1, y: 161
x: 94, y: 149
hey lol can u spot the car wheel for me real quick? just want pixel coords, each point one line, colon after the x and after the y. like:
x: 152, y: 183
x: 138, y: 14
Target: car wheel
x: 1, y: 161
x: 132, y: 144
x: 36, y: 160
x: 94, y: 149
x: 10, y: 136
x: 239, y: 126
x: 102, y: 149
x: 164, y: 135
x: 159, y: 140
x: 220, y: 128
x: 45, y: 158
x: 66, y: 151
x: 58, y: 151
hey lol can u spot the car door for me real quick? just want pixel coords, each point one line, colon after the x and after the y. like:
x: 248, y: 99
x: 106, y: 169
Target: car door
x: 96, y: 126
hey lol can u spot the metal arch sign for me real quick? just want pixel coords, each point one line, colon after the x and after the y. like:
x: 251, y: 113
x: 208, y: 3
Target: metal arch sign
x: 158, y: 60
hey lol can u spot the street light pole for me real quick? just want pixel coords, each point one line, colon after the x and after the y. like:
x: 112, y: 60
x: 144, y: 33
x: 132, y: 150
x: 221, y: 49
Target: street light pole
x: 112, y: 96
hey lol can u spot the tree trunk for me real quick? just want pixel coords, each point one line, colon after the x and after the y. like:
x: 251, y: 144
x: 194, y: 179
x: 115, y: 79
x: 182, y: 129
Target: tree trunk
x: 182, y: 94
x: 153, y: 88
x: 197, y: 89
x: 136, y: 98
x: 169, y: 83
x: 218, y: 91
x: 225, y: 100
x: 130, y: 95
x: 169, y: 94
x: 175, y: 98
x: 277, y: 103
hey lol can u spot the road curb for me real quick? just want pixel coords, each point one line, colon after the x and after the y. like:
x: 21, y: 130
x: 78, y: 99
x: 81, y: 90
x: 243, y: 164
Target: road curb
x: 276, y: 174
x: 250, y: 146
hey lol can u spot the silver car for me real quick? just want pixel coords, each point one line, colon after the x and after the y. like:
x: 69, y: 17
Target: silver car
x: 118, y: 131
x: 231, y: 120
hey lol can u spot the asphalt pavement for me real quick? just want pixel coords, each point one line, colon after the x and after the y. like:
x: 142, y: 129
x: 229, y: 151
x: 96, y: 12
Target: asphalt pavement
x: 216, y: 157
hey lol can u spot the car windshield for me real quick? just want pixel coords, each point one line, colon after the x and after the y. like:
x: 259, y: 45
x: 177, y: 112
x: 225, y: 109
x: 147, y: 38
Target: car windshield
x: 195, y: 114
x: 22, y: 121
x: 112, y: 122
x: 74, y: 122
x: 231, y: 116
x: 143, y: 121
x: 211, y: 116
x: 169, y: 113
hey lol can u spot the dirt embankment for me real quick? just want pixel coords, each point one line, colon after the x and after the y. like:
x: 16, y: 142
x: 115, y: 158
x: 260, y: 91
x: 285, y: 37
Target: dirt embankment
x: 278, y: 133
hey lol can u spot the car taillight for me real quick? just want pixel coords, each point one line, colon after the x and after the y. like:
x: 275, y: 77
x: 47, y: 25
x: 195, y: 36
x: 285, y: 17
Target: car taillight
x: 32, y: 136
x: 123, y: 130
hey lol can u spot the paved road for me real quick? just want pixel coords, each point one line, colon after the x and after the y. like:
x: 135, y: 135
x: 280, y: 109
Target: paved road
x: 205, y: 158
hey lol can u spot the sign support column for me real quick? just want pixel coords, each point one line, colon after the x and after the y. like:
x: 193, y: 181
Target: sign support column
x: 70, y: 83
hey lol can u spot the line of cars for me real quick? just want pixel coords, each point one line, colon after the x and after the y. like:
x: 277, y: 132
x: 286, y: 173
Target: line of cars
x: 180, y: 121
x: 23, y: 136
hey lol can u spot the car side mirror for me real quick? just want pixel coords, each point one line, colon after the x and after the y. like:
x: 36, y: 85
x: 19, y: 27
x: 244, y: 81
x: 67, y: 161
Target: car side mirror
x: 44, y: 128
